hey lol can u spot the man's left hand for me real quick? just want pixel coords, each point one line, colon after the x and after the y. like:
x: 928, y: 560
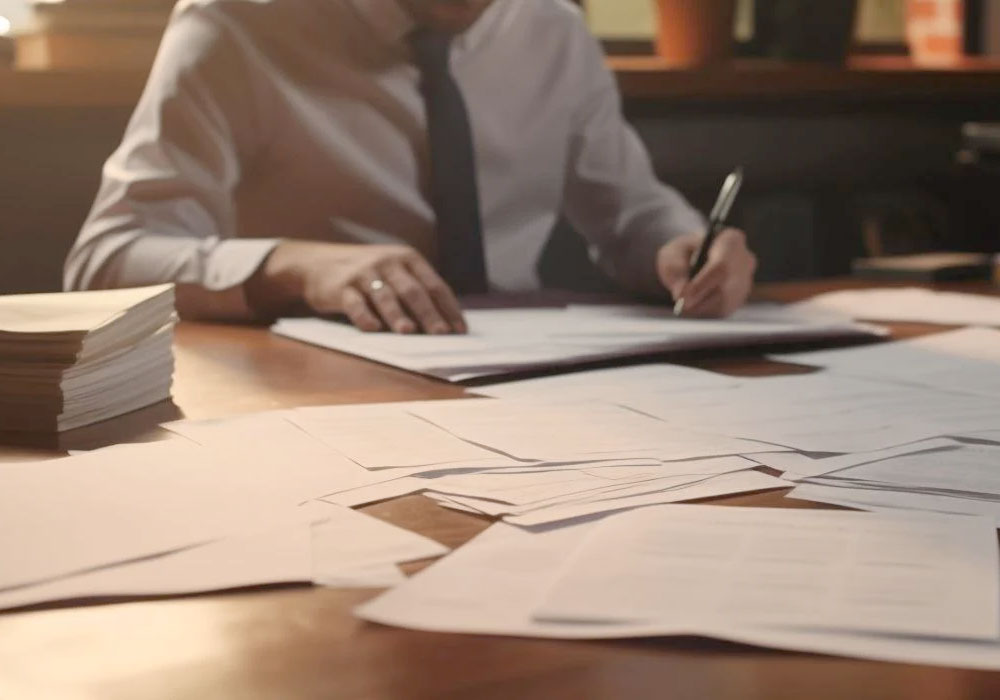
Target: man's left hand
x: 722, y: 286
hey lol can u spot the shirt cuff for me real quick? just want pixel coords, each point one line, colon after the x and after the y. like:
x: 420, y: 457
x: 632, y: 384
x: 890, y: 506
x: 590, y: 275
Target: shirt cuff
x: 234, y: 260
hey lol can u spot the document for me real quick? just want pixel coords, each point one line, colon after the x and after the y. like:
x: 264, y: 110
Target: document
x: 293, y: 464
x: 320, y: 543
x: 667, y: 491
x: 612, y: 383
x: 503, y: 341
x: 108, y: 506
x: 969, y: 469
x: 909, y: 304
x: 359, y: 433
x: 704, y: 566
x: 961, y: 361
x: 798, y: 466
x: 824, y: 412
x: 550, y: 432
x: 492, y: 584
x: 886, y: 500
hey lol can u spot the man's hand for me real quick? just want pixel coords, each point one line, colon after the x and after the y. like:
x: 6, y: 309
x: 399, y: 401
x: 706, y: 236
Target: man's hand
x: 377, y: 287
x: 722, y: 286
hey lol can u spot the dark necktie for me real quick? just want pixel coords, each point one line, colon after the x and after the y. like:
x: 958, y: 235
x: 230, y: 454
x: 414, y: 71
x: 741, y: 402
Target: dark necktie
x: 454, y: 194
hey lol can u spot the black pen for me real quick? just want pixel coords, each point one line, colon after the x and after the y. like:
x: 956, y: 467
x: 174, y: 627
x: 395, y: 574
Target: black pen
x: 716, y: 222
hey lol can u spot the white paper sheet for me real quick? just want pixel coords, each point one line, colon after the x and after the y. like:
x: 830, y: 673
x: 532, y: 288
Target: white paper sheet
x: 351, y: 540
x: 501, y: 341
x: 970, y: 469
x: 825, y: 412
x: 962, y: 361
x: 280, y: 555
x: 889, y: 501
x: 611, y: 383
x: 703, y: 566
x: 798, y: 466
x: 68, y: 515
x: 556, y: 432
x: 723, y: 485
x: 491, y: 585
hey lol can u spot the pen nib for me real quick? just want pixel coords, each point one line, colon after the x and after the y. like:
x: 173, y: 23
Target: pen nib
x: 679, y: 307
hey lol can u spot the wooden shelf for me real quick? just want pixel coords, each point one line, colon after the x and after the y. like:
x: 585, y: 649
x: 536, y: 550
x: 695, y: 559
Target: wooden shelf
x: 640, y: 77
x: 863, y: 78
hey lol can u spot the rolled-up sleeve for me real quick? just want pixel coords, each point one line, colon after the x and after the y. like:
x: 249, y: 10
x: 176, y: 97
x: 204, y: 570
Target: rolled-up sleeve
x: 612, y: 195
x: 165, y: 211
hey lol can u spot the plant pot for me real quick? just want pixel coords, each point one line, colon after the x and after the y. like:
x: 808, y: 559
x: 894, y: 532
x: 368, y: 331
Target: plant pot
x: 695, y: 32
x: 819, y: 31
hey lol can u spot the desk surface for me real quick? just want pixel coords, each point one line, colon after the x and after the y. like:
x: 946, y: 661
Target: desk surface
x: 299, y: 642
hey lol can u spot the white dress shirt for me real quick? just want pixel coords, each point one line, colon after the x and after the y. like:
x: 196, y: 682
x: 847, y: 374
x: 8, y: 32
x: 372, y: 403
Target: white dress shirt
x: 270, y: 119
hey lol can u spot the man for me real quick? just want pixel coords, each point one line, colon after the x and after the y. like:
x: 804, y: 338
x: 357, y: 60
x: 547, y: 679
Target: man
x: 374, y: 157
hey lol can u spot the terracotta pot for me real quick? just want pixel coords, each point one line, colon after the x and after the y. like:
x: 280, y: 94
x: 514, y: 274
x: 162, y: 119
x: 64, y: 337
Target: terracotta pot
x: 693, y: 32
x: 935, y: 30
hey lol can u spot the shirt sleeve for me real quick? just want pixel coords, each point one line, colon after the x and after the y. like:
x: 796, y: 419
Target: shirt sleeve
x: 165, y: 210
x: 612, y: 195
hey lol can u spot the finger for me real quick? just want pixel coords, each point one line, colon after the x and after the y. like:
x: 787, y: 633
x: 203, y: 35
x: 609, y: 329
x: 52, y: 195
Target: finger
x: 387, y: 305
x: 673, y: 264
x: 445, y: 300
x: 711, y: 306
x: 355, y: 307
x: 415, y: 298
x: 708, y: 280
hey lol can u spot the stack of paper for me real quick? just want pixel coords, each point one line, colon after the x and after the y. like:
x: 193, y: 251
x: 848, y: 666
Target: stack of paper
x: 505, y: 341
x: 941, y: 475
x: 904, y: 588
x: 529, y: 462
x: 68, y: 360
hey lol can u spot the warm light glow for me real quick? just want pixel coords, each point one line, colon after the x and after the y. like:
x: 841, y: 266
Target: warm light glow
x: 4, y: 25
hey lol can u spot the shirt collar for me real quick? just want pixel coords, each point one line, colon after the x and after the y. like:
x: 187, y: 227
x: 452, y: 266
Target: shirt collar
x: 394, y: 24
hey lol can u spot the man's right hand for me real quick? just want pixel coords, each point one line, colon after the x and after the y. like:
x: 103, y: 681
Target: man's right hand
x: 378, y: 287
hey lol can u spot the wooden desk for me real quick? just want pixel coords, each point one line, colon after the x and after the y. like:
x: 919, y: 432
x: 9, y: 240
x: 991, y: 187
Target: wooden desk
x: 297, y: 642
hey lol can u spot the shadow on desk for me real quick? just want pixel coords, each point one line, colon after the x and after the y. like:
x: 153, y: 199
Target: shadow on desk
x: 137, y: 426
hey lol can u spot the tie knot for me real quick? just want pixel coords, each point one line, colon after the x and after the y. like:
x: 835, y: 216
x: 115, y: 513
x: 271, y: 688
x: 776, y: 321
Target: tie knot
x: 431, y: 51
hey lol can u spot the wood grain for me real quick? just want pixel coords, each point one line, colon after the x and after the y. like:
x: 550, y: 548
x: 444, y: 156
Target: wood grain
x: 297, y: 642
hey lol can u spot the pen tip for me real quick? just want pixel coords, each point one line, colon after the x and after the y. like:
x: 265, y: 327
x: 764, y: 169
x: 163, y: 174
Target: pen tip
x: 679, y: 307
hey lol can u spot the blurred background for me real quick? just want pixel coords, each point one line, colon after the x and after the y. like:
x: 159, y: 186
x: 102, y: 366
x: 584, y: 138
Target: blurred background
x: 864, y: 126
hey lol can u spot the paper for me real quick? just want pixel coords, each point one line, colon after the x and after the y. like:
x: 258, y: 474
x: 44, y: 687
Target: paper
x: 799, y: 466
x: 861, y: 498
x: 610, y: 383
x: 968, y: 469
x: 318, y: 542
x: 360, y: 432
x: 351, y: 540
x: 702, y: 566
x: 824, y: 412
x: 108, y: 506
x: 294, y: 465
x: 503, y: 341
x: 961, y: 361
x: 723, y: 485
x: 909, y: 304
x: 491, y: 585
x: 279, y: 555
x: 560, y: 432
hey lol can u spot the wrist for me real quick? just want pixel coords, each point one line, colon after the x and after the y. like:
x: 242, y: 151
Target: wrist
x: 276, y: 286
